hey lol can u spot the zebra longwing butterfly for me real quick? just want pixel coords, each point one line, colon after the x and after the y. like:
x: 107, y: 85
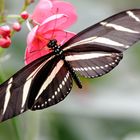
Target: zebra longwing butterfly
x: 91, y: 53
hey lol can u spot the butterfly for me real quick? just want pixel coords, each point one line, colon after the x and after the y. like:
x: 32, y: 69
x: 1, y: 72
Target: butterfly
x: 91, y: 53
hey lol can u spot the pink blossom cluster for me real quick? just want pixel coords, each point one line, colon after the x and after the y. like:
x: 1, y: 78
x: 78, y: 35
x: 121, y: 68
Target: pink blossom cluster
x: 5, y: 40
x: 6, y: 30
x: 50, y: 18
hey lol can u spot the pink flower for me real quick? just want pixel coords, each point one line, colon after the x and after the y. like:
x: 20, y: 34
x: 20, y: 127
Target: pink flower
x: 40, y: 35
x: 53, y: 17
x: 47, y: 8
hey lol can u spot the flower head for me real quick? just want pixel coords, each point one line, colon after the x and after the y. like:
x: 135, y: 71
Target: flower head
x: 53, y: 17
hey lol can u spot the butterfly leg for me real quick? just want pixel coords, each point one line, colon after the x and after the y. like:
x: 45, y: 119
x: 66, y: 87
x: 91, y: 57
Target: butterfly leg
x: 74, y: 76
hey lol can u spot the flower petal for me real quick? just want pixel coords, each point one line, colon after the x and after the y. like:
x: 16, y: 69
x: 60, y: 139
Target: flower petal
x: 66, y: 8
x: 47, y: 8
x: 52, y: 23
x: 42, y: 11
x: 35, y: 47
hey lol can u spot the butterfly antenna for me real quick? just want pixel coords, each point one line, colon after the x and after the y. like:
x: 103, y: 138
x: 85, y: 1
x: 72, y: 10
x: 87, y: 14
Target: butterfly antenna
x: 55, y: 23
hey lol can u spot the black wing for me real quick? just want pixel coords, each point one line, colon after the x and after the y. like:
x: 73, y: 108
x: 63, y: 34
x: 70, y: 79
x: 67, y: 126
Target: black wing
x: 55, y: 86
x: 98, y: 49
x: 14, y: 93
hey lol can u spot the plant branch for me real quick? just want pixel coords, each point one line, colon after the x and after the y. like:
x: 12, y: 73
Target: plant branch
x: 2, y: 6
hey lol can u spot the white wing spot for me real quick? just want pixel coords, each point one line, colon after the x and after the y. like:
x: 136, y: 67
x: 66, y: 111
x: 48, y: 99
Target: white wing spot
x: 106, y: 66
x: 49, y: 99
x: 89, y: 68
x: 86, y: 69
x: 97, y: 67
x: 101, y: 67
x: 55, y: 93
x: 63, y: 83
x: 65, y: 79
x: 60, y: 86
x: 93, y: 68
x: 58, y: 89
x: 113, y: 63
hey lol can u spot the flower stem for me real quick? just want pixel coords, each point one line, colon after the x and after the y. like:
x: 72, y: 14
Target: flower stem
x: 2, y: 5
x: 16, y: 128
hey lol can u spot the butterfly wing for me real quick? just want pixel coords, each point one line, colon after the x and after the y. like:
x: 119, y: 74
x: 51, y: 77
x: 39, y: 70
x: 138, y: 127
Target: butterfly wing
x: 98, y: 49
x: 14, y: 93
x: 93, y: 64
x: 55, y: 87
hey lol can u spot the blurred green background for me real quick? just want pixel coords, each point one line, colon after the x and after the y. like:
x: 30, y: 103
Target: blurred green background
x: 107, y: 108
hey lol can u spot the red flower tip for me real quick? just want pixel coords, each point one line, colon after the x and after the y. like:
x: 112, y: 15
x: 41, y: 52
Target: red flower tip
x: 24, y: 15
x: 29, y: 1
x: 5, y: 30
x: 16, y: 26
x: 5, y: 42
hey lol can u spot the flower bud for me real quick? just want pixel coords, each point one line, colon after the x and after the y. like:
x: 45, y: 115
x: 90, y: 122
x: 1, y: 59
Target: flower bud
x: 5, y: 42
x: 24, y: 15
x: 5, y: 30
x: 16, y: 26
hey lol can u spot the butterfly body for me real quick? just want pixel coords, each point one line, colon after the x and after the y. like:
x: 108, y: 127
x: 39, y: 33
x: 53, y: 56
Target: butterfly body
x: 91, y: 53
x: 59, y: 52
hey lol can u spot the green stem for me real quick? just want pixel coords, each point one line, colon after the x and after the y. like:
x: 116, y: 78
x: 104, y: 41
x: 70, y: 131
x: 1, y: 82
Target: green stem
x: 2, y: 5
x: 26, y: 4
x: 16, y: 128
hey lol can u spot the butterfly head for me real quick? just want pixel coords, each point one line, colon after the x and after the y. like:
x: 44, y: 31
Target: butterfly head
x: 52, y: 44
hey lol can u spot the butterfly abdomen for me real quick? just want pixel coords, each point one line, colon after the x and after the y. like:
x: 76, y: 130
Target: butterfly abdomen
x: 59, y: 52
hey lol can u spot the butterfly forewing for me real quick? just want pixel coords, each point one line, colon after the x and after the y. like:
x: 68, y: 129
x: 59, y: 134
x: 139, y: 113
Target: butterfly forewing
x: 55, y: 87
x: 14, y: 92
x: 119, y: 32
x: 98, y: 49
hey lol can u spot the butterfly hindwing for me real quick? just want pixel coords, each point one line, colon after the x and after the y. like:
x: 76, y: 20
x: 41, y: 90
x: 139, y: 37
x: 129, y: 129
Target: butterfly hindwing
x: 55, y: 87
x: 93, y: 64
